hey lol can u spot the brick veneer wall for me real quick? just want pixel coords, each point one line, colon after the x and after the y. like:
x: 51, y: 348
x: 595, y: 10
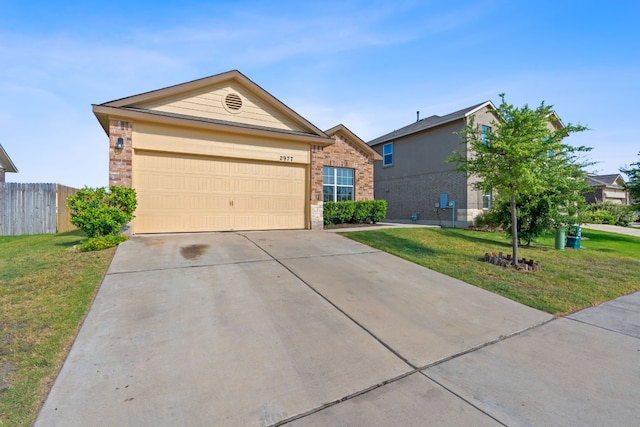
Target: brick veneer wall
x: 344, y: 154
x: 120, y: 160
x: 341, y: 154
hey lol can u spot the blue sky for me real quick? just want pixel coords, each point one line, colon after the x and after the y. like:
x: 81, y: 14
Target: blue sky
x: 367, y: 64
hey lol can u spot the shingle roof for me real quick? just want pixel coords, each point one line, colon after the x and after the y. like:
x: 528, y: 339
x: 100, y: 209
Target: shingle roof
x: 429, y: 122
x: 5, y: 161
x: 604, y: 180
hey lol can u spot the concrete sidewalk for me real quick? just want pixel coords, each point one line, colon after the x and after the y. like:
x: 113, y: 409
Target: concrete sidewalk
x: 310, y: 328
x: 629, y: 231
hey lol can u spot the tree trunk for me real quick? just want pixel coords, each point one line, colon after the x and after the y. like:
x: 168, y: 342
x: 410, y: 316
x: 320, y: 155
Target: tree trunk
x: 514, y: 229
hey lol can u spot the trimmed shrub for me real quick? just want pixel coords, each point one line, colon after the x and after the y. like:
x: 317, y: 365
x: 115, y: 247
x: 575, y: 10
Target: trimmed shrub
x: 345, y: 211
x: 99, y: 212
x: 378, y: 210
x: 100, y: 243
x: 360, y: 212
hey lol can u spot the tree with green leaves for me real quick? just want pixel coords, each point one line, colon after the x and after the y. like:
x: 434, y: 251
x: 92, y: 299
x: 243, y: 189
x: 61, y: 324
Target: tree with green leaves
x: 524, y: 155
x: 633, y: 182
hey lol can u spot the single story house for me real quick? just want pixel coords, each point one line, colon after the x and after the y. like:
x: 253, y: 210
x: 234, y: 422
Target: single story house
x: 6, y: 165
x: 607, y: 188
x: 415, y: 178
x: 221, y: 153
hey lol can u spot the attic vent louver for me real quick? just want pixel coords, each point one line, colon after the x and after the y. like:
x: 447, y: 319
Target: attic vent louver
x: 233, y: 102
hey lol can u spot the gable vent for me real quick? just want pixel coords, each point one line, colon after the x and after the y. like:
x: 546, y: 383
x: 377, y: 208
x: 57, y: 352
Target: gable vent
x: 233, y: 102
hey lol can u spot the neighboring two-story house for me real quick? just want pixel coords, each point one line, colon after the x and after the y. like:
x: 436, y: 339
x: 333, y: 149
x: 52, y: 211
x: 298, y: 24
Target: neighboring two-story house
x: 414, y: 177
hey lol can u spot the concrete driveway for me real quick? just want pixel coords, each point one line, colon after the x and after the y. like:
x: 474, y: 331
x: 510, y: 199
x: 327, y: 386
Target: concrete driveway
x: 310, y: 328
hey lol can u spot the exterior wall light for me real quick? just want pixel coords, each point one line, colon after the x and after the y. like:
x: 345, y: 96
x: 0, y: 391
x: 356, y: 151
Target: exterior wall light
x: 120, y: 144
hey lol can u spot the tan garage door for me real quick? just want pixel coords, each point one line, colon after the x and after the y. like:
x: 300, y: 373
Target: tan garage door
x: 182, y: 193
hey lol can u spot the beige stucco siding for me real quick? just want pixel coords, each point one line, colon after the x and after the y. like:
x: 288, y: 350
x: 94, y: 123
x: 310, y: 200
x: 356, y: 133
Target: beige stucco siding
x: 209, y: 102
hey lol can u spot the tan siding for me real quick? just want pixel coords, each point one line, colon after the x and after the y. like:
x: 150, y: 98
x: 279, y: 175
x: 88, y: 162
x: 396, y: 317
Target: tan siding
x: 209, y: 103
x: 184, y: 193
x: 147, y: 136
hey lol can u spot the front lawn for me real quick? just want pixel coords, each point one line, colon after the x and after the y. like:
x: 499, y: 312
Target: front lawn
x: 46, y: 287
x: 607, y: 266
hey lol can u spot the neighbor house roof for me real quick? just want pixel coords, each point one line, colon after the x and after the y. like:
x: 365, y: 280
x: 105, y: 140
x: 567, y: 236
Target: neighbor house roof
x: 342, y: 129
x: 613, y: 180
x: 5, y: 161
x: 130, y: 108
x: 430, y: 122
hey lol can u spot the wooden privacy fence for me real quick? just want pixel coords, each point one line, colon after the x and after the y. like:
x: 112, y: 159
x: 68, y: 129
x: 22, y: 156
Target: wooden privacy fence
x: 34, y: 208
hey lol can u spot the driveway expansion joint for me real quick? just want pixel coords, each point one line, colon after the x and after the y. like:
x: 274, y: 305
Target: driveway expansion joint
x: 602, y: 327
x: 344, y: 399
x: 384, y: 344
x: 468, y: 402
x: 184, y: 267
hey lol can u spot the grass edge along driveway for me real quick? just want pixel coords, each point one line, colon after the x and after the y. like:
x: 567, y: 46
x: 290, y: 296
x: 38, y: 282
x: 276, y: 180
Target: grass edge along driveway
x: 606, y: 267
x: 46, y: 288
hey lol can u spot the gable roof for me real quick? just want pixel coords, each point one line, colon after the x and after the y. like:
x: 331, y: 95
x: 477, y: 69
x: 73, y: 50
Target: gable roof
x: 138, y: 107
x: 5, y: 161
x: 430, y: 122
x: 353, y: 138
x: 612, y: 180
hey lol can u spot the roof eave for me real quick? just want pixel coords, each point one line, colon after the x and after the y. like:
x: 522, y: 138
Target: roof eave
x: 355, y: 139
x: 105, y: 113
x: 6, y: 161
x: 236, y: 75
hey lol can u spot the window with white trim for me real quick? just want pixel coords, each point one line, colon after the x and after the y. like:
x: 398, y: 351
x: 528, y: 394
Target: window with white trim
x: 486, y: 199
x: 387, y: 154
x: 337, y: 184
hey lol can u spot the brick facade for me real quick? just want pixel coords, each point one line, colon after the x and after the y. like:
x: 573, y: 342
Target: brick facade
x: 120, y: 160
x: 341, y: 154
x: 345, y: 154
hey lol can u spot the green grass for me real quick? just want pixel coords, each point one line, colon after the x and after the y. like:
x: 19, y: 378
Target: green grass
x: 46, y: 287
x: 607, y: 266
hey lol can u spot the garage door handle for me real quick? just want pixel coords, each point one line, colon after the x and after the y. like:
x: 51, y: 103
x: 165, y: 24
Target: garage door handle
x: 231, y: 203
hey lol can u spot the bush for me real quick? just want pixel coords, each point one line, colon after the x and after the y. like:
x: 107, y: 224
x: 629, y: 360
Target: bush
x: 488, y: 219
x: 99, y: 212
x: 611, y: 213
x: 100, y: 243
x: 601, y: 217
x: 360, y: 212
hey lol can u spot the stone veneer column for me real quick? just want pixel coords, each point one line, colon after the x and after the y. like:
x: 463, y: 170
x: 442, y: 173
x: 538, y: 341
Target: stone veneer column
x: 316, y: 202
x: 120, y: 160
x: 2, y: 178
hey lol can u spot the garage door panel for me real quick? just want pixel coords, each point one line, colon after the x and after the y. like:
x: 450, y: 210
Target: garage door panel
x: 180, y: 193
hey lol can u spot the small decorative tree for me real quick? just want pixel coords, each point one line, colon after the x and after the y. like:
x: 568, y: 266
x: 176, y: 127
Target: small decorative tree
x: 523, y: 155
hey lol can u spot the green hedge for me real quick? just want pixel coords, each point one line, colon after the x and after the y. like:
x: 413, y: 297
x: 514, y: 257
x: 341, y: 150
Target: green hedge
x: 611, y: 213
x: 350, y: 212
